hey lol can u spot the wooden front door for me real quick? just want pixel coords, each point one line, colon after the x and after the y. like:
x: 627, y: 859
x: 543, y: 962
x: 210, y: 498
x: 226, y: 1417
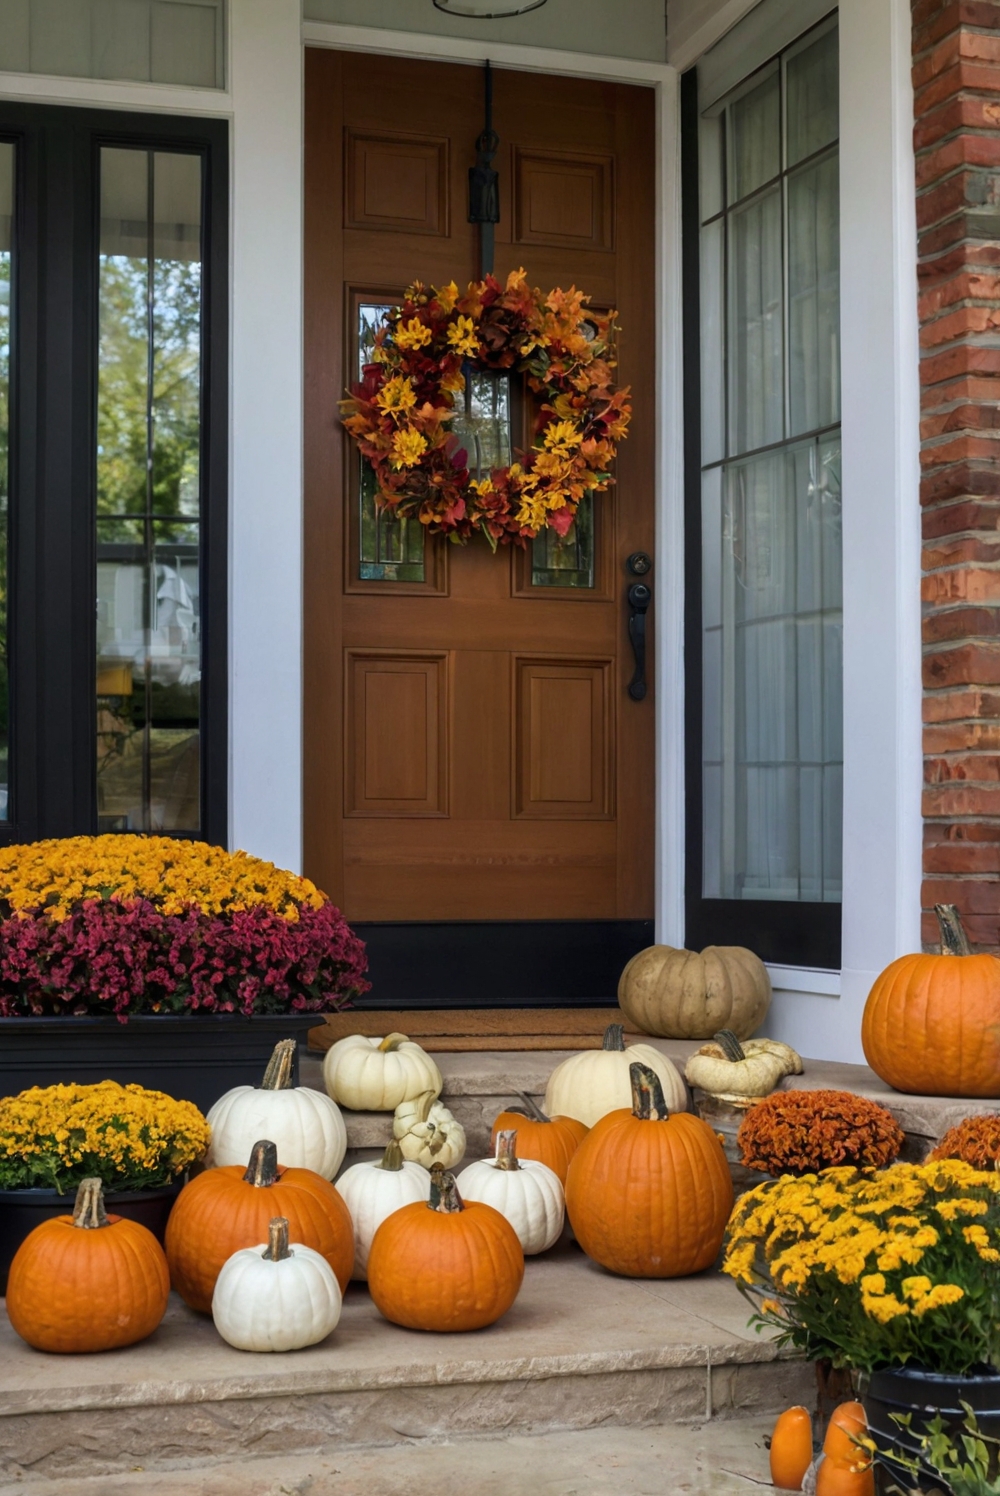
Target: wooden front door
x: 479, y: 785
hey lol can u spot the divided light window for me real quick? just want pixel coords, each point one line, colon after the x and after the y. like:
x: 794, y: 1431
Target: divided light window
x: 767, y: 868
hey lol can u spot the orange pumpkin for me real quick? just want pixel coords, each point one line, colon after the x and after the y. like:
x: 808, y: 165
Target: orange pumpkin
x: 87, y: 1281
x: 547, y: 1140
x: 844, y: 1478
x: 846, y: 1469
x: 791, y: 1448
x: 225, y: 1209
x: 931, y: 1024
x: 445, y: 1264
x: 649, y: 1194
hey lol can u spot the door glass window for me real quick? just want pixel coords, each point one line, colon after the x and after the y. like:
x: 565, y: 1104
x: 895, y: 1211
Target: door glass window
x: 771, y: 531
x: 148, y: 492
x: 6, y: 253
x: 390, y: 549
x: 566, y: 560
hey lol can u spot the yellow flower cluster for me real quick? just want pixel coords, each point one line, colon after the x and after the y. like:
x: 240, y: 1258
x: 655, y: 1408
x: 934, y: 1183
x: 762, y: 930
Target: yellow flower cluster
x: 172, y: 874
x: 53, y: 1134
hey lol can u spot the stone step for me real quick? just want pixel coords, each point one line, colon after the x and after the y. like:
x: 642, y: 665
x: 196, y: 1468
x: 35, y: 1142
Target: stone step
x: 580, y: 1349
x: 709, y: 1459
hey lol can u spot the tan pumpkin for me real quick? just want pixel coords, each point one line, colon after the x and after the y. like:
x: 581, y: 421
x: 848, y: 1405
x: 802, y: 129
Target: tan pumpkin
x: 678, y: 994
x: 739, y: 1072
x: 589, y: 1085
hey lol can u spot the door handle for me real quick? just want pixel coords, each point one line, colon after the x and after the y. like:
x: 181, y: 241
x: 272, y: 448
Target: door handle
x: 639, y: 595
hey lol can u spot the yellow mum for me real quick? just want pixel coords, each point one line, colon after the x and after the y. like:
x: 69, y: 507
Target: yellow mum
x: 408, y: 447
x: 943, y: 1293
x: 462, y: 337
x: 412, y: 334
x: 396, y: 396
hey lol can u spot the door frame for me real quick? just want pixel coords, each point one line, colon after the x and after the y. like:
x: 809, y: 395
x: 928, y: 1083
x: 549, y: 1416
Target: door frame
x: 668, y: 608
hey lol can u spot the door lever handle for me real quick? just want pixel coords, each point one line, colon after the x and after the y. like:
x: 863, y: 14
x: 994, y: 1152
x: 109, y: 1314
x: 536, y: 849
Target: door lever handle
x: 639, y: 598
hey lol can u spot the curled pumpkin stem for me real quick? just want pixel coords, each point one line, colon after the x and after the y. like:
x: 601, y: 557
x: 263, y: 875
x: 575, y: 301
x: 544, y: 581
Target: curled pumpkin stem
x: 262, y: 1170
x: 444, y: 1196
x: 647, y: 1094
x: 532, y: 1109
x: 506, y: 1151
x: 88, y: 1208
x: 277, y: 1241
x: 954, y: 941
x: 392, y: 1158
x: 730, y: 1045
x: 614, y: 1038
x: 391, y: 1043
x: 278, y: 1075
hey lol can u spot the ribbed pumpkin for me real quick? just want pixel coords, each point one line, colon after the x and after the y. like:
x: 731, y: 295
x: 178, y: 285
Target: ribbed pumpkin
x: 87, y: 1281
x: 225, y: 1209
x: 305, y: 1125
x: 931, y: 1024
x: 594, y: 1082
x: 680, y: 994
x: 445, y: 1265
x: 791, y: 1451
x: 649, y: 1193
x: 547, y: 1140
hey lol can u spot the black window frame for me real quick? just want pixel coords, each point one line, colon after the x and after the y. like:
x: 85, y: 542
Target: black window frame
x: 52, y: 503
x: 785, y: 933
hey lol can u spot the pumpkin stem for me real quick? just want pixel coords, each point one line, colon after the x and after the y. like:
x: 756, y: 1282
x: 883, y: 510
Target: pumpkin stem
x: 444, y: 1197
x: 506, y: 1154
x: 614, y: 1038
x: 88, y: 1208
x: 392, y: 1158
x: 423, y: 1103
x: 277, y: 1241
x: 730, y: 1046
x: 262, y: 1170
x: 391, y: 1042
x: 278, y: 1075
x: 954, y: 941
x: 532, y: 1109
x: 647, y: 1094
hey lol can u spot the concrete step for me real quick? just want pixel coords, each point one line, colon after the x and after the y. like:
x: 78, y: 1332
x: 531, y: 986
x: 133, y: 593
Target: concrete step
x: 709, y: 1459
x: 580, y: 1349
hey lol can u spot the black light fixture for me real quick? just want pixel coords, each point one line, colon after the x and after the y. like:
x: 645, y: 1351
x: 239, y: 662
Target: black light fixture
x: 487, y: 10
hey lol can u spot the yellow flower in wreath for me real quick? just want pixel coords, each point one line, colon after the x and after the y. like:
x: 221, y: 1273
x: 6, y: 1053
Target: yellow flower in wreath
x: 562, y: 437
x: 412, y: 334
x: 408, y: 446
x: 462, y: 337
x: 396, y: 396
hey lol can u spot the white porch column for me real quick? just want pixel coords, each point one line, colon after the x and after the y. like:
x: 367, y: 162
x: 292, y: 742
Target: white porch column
x: 265, y: 522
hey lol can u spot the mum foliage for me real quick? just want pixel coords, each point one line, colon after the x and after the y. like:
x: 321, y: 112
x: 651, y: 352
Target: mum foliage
x: 797, y: 1132
x: 975, y: 1140
x: 876, y: 1269
x: 400, y: 413
x: 149, y: 925
x: 52, y: 1137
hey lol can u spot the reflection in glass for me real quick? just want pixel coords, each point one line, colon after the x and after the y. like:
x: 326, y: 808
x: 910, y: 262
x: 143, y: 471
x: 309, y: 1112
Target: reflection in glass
x: 814, y: 296
x: 148, y: 492
x: 390, y: 549
x: 482, y: 421
x: 756, y: 325
x: 6, y: 249
x: 566, y: 560
x: 755, y: 137
x: 813, y: 97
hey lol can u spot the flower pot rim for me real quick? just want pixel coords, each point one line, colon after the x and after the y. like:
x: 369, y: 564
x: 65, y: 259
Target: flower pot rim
x: 921, y: 1374
x: 40, y: 1194
x: 304, y: 1020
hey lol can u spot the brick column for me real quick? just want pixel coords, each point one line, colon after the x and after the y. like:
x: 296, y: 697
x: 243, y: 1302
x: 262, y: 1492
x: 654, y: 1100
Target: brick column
x: 956, y: 78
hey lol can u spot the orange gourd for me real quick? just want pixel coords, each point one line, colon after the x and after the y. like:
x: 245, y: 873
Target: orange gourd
x: 843, y: 1478
x: 546, y: 1140
x: 648, y: 1193
x: 846, y: 1469
x: 445, y: 1264
x: 931, y: 1024
x: 225, y: 1209
x: 87, y: 1281
x: 791, y: 1450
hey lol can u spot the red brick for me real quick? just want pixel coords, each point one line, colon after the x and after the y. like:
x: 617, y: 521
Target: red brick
x: 951, y: 857
x: 942, y: 19
x: 960, y: 623
x: 963, y: 768
x: 970, y: 664
x: 960, y: 705
x: 959, y: 516
x: 966, y: 285
x: 950, y: 363
x: 960, y: 480
x: 963, y: 322
x: 977, y: 897
x: 972, y: 255
x: 973, y: 390
x: 966, y: 76
x: 960, y: 111
x: 965, y: 548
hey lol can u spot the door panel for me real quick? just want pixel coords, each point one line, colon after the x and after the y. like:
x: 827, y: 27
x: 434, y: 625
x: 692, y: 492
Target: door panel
x: 471, y: 751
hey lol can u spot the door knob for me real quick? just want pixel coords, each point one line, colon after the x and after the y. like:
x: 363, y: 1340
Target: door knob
x: 639, y: 596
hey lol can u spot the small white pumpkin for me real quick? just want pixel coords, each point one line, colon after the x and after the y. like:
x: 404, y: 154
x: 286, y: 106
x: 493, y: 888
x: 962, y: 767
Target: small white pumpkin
x: 589, y: 1085
x: 373, y: 1190
x: 736, y: 1072
x: 527, y: 1194
x: 305, y: 1125
x: 427, y: 1132
x: 375, y: 1075
x: 276, y: 1297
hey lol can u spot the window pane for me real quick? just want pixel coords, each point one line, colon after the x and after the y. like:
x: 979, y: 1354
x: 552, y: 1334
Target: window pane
x: 755, y: 336
x: 389, y: 549
x: 566, y: 560
x: 813, y: 97
x: 713, y: 332
x: 755, y: 137
x: 6, y: 252
x: 814, y: 296
x: 148, y: 492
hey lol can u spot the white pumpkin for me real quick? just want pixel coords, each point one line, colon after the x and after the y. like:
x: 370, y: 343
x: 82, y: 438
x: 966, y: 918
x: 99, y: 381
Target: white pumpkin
x: 375, y: 1075
x: 305, y: 1125
x: 276, y: 1297
x: 427, y: 1132
x: 589, y: 1085
x: 372, y: 1191
x: 526, y: 1193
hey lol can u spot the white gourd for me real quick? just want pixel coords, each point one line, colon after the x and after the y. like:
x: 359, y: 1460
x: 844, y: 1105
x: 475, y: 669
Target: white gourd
x: 373, y: 1190
x: 375, y: 1075
x: 589, y: 1085
x: 276, y: 1296
x: 427, y: 1132
x: 526, y: 1193
x: 732, y: 1071
x: 305, y: 1125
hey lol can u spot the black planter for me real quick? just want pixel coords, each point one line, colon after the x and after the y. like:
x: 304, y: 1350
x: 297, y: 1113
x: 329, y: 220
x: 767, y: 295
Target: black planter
x: 192, y: 1057
x: 922, y: 1394
x: 22, y: 1210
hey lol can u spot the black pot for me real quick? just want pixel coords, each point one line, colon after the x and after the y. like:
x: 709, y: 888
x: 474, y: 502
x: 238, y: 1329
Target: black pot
x: 922, y: 1394
x: 192, y: 1057
x: 22, y: 1210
